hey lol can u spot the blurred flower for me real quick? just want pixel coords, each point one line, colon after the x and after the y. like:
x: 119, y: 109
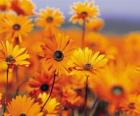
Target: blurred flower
x: 114, y: 84
x: 5, y: 4
x: 23, y: 7
x: 95, y: 24
x: 16, y: 27
x: 71, y: 98
x: 57, y: 52
x: 13, y: 55
x: 52, y: 104
x: 131, y: 105
x: 23, y: 106
x: 84, y: 12
x: 50, y: 17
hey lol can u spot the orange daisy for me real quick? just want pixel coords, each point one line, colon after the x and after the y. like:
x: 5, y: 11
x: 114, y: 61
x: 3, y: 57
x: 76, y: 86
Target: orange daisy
x: 16, y: 27
x: 50, y: 17
x: 57, y: 53
x: 84, y: 12
x: 114, y: 84
x: 131, y: 105
x: 41, y: 83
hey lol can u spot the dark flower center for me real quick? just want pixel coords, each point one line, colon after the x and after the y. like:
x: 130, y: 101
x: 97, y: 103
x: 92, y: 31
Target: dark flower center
x: 131, y: 105
x: 22, y: 114
x: 117, y: 90
x: 10, y: 59
x: 49, y: 19
x: 44, y: 87
x: 87, y: 67
x: 84, y: 14
x: 16, y: 27
x: 58, y: 55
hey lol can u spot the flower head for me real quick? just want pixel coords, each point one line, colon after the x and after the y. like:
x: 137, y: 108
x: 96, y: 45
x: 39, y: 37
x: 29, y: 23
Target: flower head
x: 57, y: 53
x: 13, y: 55
x: 41, y: 83
x: 23, y: 106
x: 84, y: 12
x: 16, y: 27
x: 50, y: 17
x: 89, y: 61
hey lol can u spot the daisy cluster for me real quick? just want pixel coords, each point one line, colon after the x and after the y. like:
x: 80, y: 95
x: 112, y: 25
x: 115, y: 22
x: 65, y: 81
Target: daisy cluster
x: 46, y: 70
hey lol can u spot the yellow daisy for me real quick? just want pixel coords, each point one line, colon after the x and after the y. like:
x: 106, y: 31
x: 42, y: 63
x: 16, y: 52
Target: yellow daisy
x: 83, y: 12
x: 50, y: 17
x: 51, y: 105
x: 16, y: 27
x: 86, y: 61
x: 23, y: 106
x: 13, y: 55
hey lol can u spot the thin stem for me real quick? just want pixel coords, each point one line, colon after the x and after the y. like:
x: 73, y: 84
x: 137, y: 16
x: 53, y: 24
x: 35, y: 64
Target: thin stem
x: 83, y: 33
x: 86, y: 95
x: 50, y: 92
x: 6, y: 88
x: 94, y: 107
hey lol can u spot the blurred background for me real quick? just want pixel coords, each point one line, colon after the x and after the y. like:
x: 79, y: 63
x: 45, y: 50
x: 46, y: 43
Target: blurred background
x: 121, y: 16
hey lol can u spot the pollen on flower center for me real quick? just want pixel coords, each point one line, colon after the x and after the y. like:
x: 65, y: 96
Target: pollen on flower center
x: 49, y: 19
x: 16, y: 27
x: 117, y: 90
x: 58, y: 55
x: 10, y: 59
x: 44, y: 87
x: 22, y: 114
x: 87, y: 67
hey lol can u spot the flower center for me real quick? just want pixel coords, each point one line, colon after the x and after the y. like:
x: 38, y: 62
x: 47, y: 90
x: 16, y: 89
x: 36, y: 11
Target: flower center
x: 10, y: 59
x: 22, y: 114
x: 84, y: 14
x: 49, y: 19
x: 16, y: 27
x: 58, y: 55
x: 117, y: 90
x: 44, y: 87
x: 131, y: 105
x: 87, y: 67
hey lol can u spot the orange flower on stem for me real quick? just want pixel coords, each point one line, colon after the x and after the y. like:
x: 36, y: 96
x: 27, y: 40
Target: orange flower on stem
x: 82, y: 13
x: 16, y: 27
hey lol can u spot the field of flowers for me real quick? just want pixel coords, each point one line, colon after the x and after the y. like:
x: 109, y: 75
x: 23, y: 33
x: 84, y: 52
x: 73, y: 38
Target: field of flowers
x: 49, y: 70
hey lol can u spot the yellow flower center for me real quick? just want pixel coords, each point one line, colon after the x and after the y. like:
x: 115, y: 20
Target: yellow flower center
x: 58, y: 55
x: 16, y: 27
x: 117, y: 90
x: 10, y: 59
x: 87, y: 67
x: 49, y: 19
